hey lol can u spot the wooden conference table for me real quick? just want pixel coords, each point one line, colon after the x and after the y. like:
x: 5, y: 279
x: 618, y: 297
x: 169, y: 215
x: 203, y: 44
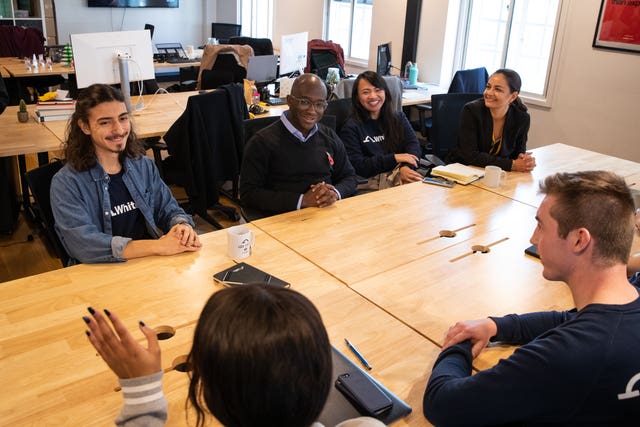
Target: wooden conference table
x: 52, y: 375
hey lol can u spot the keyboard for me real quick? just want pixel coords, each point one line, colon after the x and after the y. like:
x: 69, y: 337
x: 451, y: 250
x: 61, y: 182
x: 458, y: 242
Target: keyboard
x: 276, y: 101
x: 178, y: 60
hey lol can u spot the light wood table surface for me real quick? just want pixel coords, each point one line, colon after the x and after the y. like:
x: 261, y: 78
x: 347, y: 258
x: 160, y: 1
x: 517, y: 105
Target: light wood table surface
x: 18, y: 69
x: 555, y: 158
x: 363, y: 236
x: 52, y: 375
x: 24, y: 138
x: 421, y: 95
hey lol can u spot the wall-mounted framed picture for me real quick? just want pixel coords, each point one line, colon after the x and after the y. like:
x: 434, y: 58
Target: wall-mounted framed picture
x: 618, y: 26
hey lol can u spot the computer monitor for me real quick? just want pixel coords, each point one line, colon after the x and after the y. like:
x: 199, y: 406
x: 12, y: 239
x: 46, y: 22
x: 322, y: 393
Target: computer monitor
x: 293, y: 52
x: 113, y: 57
x: 384, y: 59
x: 262, y: 68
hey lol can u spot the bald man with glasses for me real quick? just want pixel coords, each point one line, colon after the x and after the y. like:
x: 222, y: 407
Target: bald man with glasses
x: 296, y: 162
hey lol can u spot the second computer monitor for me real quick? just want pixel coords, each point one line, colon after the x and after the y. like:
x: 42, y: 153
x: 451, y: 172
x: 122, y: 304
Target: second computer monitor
x: 262, y: 68
x: 384, y: 59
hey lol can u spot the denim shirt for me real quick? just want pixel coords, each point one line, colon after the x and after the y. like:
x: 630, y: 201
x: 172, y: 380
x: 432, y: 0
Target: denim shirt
x: 82, y: 208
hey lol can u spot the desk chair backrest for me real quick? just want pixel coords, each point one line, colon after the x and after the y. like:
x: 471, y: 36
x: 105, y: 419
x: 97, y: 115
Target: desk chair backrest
x: 446, y: 110
x: 232, y: 59
x: 223, y: 31
x: 260, y: 46
x: 344, y: 88
x: 39, y: 181
x: 322, y: 55
x: 341, y: 110
x: 473, y: 80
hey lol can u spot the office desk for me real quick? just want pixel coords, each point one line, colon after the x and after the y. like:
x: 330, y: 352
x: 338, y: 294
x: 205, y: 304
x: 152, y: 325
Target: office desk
x: 25, y: 138
x: 363, y: 236
x: 558, y: 158
x: 422, y: 95
x: 18, y: 69
x: 52, y: 375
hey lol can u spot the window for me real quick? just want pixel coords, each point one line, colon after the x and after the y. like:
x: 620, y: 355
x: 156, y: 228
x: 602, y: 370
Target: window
x: 257, y: 18
x: 516, y: 34
x: 349, y: 24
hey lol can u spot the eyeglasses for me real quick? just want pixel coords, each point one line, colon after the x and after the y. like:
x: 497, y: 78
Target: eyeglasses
x: 305, y: 104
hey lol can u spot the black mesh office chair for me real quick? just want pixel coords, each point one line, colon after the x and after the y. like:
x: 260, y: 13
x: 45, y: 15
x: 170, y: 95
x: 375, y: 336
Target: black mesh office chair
x: 341, y: 110
x: 446, y: 110
x: 260, y: 46
x: 223, y: 32
x: 473, y: 80
x: 224, y: 71
x: 39, y: 181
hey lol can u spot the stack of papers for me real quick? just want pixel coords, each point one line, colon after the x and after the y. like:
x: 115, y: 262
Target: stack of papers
x: 54, y: 110
x: 458, y: 172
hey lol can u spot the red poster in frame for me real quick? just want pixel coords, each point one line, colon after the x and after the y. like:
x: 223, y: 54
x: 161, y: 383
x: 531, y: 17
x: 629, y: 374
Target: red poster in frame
x: 618, y: 25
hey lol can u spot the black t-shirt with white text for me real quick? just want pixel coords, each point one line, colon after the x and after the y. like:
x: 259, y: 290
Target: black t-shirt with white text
x: 126, y: 218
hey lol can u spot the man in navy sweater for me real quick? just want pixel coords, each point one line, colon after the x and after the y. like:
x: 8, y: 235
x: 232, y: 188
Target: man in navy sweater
x: 580, y: 367
x: 296, y: 162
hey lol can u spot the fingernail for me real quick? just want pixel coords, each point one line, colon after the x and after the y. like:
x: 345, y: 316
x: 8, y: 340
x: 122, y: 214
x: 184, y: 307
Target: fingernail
x: 107, y: 312
x: 88, y: 333
x: 141, y: 323
x: 86, y: 319
x: 91, y: 310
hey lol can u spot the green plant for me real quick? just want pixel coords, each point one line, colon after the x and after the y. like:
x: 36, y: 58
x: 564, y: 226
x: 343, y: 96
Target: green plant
x: 23, y: 106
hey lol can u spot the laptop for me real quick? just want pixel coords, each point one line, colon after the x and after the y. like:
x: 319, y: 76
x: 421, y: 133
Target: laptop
x: 262, y: 68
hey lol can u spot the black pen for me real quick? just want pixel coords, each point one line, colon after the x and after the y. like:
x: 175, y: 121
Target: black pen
x: 358, y: 355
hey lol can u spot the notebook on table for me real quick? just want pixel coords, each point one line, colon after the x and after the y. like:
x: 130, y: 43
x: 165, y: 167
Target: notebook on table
x: 338, y: 408
x: 458, y: 172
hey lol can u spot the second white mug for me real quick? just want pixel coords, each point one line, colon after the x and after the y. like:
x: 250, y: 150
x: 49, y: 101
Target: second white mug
x: 493, y: 175
x: 240, y: 241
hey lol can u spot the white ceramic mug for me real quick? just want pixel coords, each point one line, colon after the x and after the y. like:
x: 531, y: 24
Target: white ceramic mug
x: 493, y: 175
x: 240, y: 241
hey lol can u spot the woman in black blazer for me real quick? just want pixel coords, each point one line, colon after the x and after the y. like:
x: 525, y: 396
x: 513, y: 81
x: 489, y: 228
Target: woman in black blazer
x: 493, y: 129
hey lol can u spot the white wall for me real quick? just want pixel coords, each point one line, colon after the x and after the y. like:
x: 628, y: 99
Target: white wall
x: 596, y: 100
x: 387, y: 24
x: 184, y: 24
x: 297, y: 16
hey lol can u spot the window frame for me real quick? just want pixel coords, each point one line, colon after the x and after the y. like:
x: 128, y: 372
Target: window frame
x: 253, y: 19
x: 546, y: 98
x: 347, y: 49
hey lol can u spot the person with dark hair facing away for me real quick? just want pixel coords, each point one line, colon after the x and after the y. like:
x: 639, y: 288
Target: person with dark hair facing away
x: 380, y: 142
x: 575, y: 368
x: 260, y: 357
x: 494, y: 128
x: 296, y: 162
x: 108, y: 200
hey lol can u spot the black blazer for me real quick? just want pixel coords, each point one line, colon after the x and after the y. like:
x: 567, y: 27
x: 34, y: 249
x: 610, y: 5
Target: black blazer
x: 475, y: 136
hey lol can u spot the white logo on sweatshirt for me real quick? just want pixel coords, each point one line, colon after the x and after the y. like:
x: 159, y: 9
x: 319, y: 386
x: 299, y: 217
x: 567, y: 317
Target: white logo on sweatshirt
x: 629, y: 392
x: 125, y: 207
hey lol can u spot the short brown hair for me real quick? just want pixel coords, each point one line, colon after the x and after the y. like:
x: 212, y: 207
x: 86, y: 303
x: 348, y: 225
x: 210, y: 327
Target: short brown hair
x: 599, y: 201
x: 78, y: 147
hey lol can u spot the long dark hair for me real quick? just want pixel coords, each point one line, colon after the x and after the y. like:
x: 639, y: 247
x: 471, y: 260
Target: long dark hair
x: 78, y: 147
x: 260, y: 356
x: 515, y: 83
x: 390, y: 120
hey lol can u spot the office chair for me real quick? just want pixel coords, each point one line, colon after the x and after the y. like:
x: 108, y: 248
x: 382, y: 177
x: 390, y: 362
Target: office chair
x: 205, y: 145
x: 341, y: 110
x: 224, y: 59
x: 39, y: 181
x: 223, y: 32
x: 322, y: 55
x: 473, y: 80
x: 344, y: 88
x: 446, y: 110
x: 260, y: 46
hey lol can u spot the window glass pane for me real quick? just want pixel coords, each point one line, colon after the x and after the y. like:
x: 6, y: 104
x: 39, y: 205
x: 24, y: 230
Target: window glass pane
x: 339, y: 20
x: 486, y: 34
x: 532, y: 32
x: 361, y: 29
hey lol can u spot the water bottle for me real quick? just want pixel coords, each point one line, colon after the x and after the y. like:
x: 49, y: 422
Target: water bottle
x: 255, y: 96
x: 407, y: 70
x: 413, y: 74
